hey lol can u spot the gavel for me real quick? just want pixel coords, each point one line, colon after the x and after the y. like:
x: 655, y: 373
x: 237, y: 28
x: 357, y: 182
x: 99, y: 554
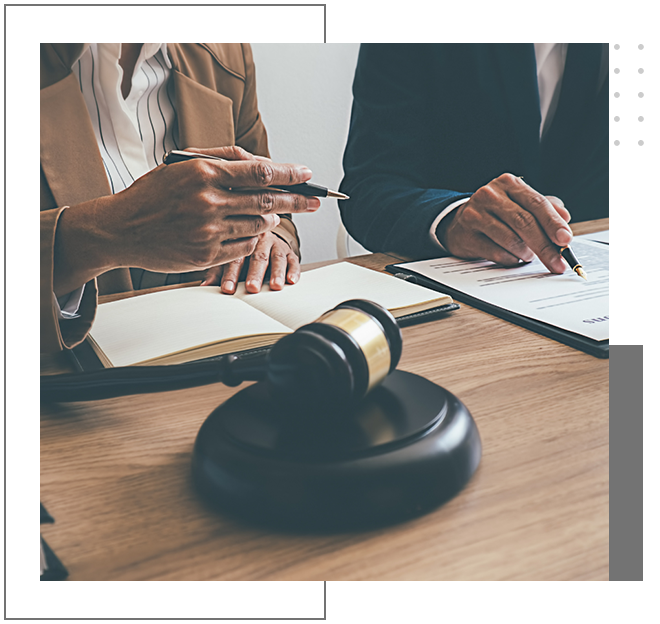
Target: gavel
x: 334, y: 361
x: 331, y: 436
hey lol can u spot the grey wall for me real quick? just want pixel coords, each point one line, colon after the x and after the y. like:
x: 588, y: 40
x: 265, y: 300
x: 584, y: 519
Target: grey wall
x: 305, y: 97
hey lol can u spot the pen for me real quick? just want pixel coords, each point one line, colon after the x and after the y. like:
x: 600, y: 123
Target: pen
x: 569, y: 255
x: 306, y: 188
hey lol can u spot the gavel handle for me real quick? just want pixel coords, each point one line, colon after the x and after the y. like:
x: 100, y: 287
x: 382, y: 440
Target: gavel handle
x: 120, y: 381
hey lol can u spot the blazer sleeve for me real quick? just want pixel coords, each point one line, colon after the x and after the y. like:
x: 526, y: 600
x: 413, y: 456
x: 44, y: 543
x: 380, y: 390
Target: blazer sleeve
x: 388, y: 161
x: 251, y: 135
x: 57, y: 335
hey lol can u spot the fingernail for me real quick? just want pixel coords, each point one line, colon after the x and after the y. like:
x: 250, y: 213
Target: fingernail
x: 313, y: 203
x: 563, y: 236
x: 276, y: 281
x: 293, y: 278
x: 305, y: 171
x: 228, y: 286
x: 253, y: 286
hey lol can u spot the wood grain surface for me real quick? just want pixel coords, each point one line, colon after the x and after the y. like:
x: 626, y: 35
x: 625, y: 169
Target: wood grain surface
x: 115, y: 474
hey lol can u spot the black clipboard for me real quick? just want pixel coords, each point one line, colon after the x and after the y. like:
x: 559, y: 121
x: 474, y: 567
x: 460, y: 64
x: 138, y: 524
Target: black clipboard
x: 597, y: 348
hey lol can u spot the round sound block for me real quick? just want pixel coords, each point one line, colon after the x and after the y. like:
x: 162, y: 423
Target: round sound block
x: 409, y: 446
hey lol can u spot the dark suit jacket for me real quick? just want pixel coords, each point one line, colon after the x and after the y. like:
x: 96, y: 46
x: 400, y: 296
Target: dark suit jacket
x: 432, y: 123
x: 216, y: 104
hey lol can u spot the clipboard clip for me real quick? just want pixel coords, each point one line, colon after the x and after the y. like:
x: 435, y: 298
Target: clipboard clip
x: 407, y: 278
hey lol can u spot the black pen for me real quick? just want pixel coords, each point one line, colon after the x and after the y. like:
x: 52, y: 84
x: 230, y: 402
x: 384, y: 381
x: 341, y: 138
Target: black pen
x: 569, y: 255
x: 306, y: 188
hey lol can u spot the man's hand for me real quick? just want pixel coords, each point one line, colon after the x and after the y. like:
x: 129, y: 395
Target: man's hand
x: 177, y: 218
x: 507, y: 221
x: 270, y: 250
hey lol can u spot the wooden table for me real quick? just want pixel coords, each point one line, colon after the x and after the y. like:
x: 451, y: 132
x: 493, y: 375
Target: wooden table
x: 115, y: 474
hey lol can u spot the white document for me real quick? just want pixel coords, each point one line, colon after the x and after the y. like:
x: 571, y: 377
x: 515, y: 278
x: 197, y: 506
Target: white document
x: 566, y: 301
x: 600, y: 237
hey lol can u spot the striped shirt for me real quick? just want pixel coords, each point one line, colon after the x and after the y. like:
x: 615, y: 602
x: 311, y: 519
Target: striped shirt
x: 134, y: 133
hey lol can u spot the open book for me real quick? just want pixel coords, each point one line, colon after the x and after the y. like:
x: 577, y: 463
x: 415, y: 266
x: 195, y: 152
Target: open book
x: 187, y: 324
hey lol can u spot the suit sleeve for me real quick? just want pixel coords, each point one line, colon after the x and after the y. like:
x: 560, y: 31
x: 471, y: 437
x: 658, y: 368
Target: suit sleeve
x: 57, y: 335
x: 251, y: 135
x: 388, y: 161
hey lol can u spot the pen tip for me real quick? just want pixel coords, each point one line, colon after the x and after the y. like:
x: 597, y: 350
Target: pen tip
x: 337, y: 195
x: 581, y: 272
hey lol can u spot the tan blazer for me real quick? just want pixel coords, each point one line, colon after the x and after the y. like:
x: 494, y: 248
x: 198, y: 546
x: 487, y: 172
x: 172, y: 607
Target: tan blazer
x: 216, y: 105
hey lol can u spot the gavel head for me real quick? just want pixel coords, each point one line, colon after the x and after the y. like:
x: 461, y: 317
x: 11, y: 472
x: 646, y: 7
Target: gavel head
x: 335, y: 361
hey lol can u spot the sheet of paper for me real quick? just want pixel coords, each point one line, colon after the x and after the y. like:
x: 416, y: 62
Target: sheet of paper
x: 320, y: 290
x: 599, y: 237
x: 141, y: 328
x: 566, y: 300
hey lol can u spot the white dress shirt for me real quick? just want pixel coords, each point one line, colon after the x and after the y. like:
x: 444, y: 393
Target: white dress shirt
x: 134, y: 133
x: 550, y: 62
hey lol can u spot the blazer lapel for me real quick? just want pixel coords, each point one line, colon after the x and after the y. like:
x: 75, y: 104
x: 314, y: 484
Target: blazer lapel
x: 204, y: 117
x: 516, y: 64
x: 70, y: 157
x: 71, y: 161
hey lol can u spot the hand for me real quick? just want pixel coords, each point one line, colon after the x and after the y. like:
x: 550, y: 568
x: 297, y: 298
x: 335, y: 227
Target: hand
x: 185, y: 216
x: 177, y: 218
x: 270, y: 250
x: 507, y: 221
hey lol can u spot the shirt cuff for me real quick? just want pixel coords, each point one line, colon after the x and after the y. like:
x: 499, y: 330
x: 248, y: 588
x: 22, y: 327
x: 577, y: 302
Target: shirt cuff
x: 68, y: 304
x: 440, y: 217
